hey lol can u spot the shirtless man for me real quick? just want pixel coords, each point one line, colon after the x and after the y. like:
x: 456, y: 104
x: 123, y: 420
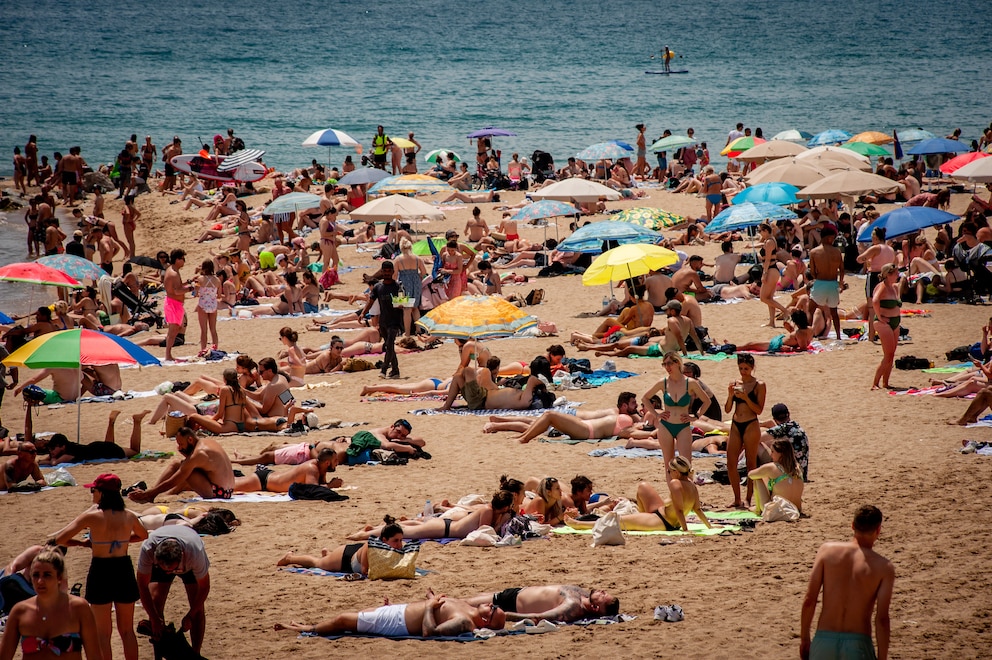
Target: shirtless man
x: 564, y: 602
x: 204, y: 469
x: 677, y: 328
x: 632, y: 320
x: 54, y: 236
x: 481, y: 393
x: 826, y: 267
x: 434, y: 617
x: 65, y: 385
x: 313, y: 472
x: 71, y: 167
x: 726, y: 264
x: 690, y: 306
x: 20, y: 467
x: 655, y: 285
x: 31, y: 160
x: 274, y: 397
x: 175, y: 295
x: 106, y: 247
x: 168, y: 153
x: 102, y: 379
x: 855, y: 580
x: 476, y: 228
x: 686, y: 279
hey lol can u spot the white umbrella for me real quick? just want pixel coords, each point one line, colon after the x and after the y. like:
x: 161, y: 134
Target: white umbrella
x: 977, y: 171
x: 580, y: 190
x: 787, y: 170
x: 826, y: 153
x: 391, y: 206
x: 849, y: 183
x: 771, y: 150
x: 793, y: 135
x: 331, y: 137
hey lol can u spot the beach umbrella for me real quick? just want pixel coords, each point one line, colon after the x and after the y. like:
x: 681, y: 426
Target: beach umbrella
x: 35, y: 273
x: 978, y: 171
x: 422, y: 249
x: 6, y: 320
x: 545, y: 208
x: 792, y: 135
x: 411, y: 184
x: 75, y: 267
x: 866, y: 149
x: 954, y: 164
x: 626, y: 262
x: 748, y: 214
x: 771, y: 150
x: 905, y: 220
x: 403, y: 143
x: 330, y: 137
x: 490, y: 131
x: 649, y: 218
x: 740, y: 145
x: 787, y: 170
x: 476, y: 317
x: 74, y: 349
x: 576, y: 190
x: 872, y: 137
x: 392, y: 206
x: 938, y: 146
x: 590, y: 238
x: 831, y: 151
x: 671, y: 143
x: 774, y: 192
x: 604, y: 150
x: 835, y: 158
x: 832, y: 136
x: 432, y: 156
x: 626, y: 145
x: 363, y: 176
x: 915, y: 135
x: 849, y: 183
x: 293, y: 202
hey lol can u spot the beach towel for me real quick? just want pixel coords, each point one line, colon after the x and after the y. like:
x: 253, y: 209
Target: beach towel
x: 953, y: 368
x: 149, y: 455
x: 921, y: 391
x: 568, y: 440
x: 485, y: 413
x: 982, y: 421
x: 353, y: 577
x: 26, y: 492
x: 695, y: 529
x: 695, y: 357
x: 638, y: 452
x: 464, y: 637
x: 374, y: 398
x: 244, y: 497
x: 600, y: 377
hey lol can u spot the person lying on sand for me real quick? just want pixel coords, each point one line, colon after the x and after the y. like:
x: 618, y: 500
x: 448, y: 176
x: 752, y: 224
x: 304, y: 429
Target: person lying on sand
x: 60, y: 450
x: 559, y: 602
x: 494, y: 514
x: 654, y: 511
x: 481, y: 393
x: 212, y: 521
x: 798, y: 338
x: 313, y: 472
x: 434, y: 617
x: 349, y: 558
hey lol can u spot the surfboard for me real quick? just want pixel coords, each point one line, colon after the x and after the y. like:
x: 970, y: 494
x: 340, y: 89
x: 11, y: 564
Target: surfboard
x: 667, y: 73
x: 207, y: 168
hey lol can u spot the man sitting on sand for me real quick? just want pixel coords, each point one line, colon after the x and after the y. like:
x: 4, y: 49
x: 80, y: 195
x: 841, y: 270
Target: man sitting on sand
x: 565, y: 602
x: 437, y: 616
x: 20, y: 467
x: 65, y: 385
x: 350, y: 558
x: 686, y: 279
x: 204, y: 469
x: 60, y: 450
x: 481, y: 393
x: 673, y: 335
x: 313, y: 472
x: 634, y: 320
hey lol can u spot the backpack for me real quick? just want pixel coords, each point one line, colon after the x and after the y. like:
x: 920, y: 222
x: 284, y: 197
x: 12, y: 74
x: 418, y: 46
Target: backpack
x: 13, y: 589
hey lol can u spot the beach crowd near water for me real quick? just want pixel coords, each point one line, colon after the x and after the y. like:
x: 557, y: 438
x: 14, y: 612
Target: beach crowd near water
x: 761, y: 358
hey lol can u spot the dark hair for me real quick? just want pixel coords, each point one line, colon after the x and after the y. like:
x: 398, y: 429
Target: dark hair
x: 727, y: 246
x: 292, y: 279
x: 485, y: 265
x: 541, y: 366
x: 226, y: 514
x: 867, y: 518
x: 57, y: 440
x: 211, y: 524
x: 613, y: 607
x: 169, y: 552
x: 799, y: 317
x: 231, y: 380
x: 693, y: 368
x: 580, y: 483
x: 110, y: 500
x: 404, y: 423
x: 390, y: 530
x: 245, y: 362
x: 207, y: 267
x: 511, y: 485
x: 269, y: 364
x: 502, y: 499
x: 745, y: 358
x: 671, y: 293
x: 492, y: 364
x: 625, y: 397
x: 556, y: 349
x: 176, y: 255
x: 290, y: 334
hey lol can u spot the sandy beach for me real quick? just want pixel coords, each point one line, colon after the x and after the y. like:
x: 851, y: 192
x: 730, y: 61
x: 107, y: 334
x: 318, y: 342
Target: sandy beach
x: 741, y: 594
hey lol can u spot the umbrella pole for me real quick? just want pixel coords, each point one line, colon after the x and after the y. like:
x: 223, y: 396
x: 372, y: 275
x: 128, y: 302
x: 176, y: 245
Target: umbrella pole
x: 79, y: 406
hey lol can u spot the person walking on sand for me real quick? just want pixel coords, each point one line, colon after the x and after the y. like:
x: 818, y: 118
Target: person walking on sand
x: 855, y: 580
x: 826, y: 267
x: 175, y: 294
x: 390, y: 317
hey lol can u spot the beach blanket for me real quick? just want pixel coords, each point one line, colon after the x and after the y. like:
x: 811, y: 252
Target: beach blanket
x: 402, y: 397
x: 149, y: 455
x: 324, y: 313
x: 922, y: 391
x: 695, y: 529
x: 464, y: 637
x: 354, y: 577
x: 952, y: 368
x: 485, y: 413
x: 244, y: 497
x: 567, y: 440
x: 705, y: 357
x: 982, y: 421
x: 601, y: 377
x: 26, y: 492
x: 638, y: 452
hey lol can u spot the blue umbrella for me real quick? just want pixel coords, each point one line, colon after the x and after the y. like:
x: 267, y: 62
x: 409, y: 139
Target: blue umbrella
x: 938, y: 146
x: 77, y: 267
x: 781, y: 194
x: 591, y: 237
x: 293, y: 202
x: 833, y: 136
x: 546, y: 208
x: 6, y: 320
x: 491, y: 131
x: 602, y: 150
x: 915, y: 135
x: 625, y: 145
x: 362, y: 176
x: 330, y: 137
x: 748, y: 214
x: 906, y: 220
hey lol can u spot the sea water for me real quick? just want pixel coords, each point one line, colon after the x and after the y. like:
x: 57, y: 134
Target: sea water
x: 560, y: 74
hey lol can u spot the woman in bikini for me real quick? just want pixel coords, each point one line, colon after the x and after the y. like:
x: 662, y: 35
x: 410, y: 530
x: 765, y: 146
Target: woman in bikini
x: 673, y: 422
x: 547, y: 505
x: 242, y: 226
x: 247, y: 376
x: 208, y: 287
x: 886, y: 304
x: 427, y: 386
x: 328, y: 228
x: 781, y: 478
x: 713, y: 190
x: 110, y: 583
x: 232, y: 407
x: 349, y: 558
x: 52, y: 623
x: 769, y: 273
x: 654, y: 511
x: 875, y: 258
x: 746, y: 398
x: 493, y: 514
x: 310, y: 293
x: 296, y: 361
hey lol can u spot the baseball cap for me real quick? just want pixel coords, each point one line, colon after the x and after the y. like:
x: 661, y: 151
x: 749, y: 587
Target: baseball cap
x: 673, y: 304
x: 106, y: 481
x: 828, y: 228
x: 780, y: 411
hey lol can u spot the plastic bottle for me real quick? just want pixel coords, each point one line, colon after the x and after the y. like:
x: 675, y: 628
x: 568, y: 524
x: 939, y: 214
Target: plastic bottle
x: 428, y: 510
x: 606, y: 302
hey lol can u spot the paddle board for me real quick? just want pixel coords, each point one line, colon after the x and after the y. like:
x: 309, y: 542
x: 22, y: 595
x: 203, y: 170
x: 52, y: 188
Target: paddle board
x: 207, y: 168
x: 667, y: 73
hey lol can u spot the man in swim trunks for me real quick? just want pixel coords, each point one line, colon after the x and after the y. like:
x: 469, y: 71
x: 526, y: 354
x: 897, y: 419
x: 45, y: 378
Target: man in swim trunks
x: 434, y: 617
x: 168, y: 552
x: 562, y: 602
x: 481, y: 393
x: 381, y: 145
x: 395, y: 438
x: 204, y: 469
x: 20, y: 467
x: 313, y: 471
x: 826, y: 267
x: 175, y: 295
x: 65, y: 385
x: 855, y: 580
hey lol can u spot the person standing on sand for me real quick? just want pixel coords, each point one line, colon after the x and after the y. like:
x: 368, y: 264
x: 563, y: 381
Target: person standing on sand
x: 855, y: 580
x: 175, y: 295
x: 826, y: 267
x: 381, y: 145
x: 390, y: 317
x: 641, y: 167
x: 168, y: 153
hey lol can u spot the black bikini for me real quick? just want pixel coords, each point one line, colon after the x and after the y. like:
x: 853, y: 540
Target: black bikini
x: 668, y: 526
x: 742, y: 426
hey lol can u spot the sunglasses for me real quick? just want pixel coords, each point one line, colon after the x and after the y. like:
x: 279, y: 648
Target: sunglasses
x: 28, y: 451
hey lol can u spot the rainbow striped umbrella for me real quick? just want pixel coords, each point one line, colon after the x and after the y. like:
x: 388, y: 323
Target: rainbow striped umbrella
x: 75, y: 267
x: 34, y: 273
x: 410, y: 183
x: 740, y: 145
x: 476, y: 317
x: 649, y: 218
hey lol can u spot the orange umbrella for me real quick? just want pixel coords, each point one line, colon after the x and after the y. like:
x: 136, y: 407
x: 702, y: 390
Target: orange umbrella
x: 872, y: 137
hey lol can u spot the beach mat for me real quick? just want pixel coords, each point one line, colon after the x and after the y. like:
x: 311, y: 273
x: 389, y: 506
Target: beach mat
x: 953, y: 368
x: 639, y: 452
x: 464, y: 637
x: 601, y: 377
x: 375, y: 398
x: 244, y: 497
x: 695, y: 529
x: 338, y: 575
x: 695, y: 357
x: 143, y: 456
x: 485, y: 413
x: 568, y: 440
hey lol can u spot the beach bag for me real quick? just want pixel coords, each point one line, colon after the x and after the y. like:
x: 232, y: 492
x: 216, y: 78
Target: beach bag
x: 911, y: 362
x: 388, y: 563
x: 299, y: 491
x: 356, y: 364
x: 484, y: 537
x: 607, y: 531
x: 329, y: 278
x: 173, y: 422
x: 33, y: 394
x: 432, y: 294
x: 13, y: 589
x: 780, y: 509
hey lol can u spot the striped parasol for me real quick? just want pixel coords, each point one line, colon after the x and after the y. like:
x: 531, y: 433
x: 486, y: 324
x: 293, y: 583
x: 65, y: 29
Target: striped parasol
x: 649, y: 218
x: 410, y: 184
x: 476, y: 317
x: 545, y: 208
x: 35, y: 273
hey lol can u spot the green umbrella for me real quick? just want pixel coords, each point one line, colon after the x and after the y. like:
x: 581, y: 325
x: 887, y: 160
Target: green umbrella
x: 649, y: 218
x: 866, y: 149
x: 671, y: 143
x: 432, y: 156
x: 422, y: 249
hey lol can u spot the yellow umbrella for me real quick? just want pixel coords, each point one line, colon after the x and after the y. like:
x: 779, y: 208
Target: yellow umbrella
x: 872, y: 137
x: 627, y: 261
x: 478, y: 317
x: 402, y: 143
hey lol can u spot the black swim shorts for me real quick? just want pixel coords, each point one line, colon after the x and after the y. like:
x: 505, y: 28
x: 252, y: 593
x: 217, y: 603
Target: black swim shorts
x: 111, y: 580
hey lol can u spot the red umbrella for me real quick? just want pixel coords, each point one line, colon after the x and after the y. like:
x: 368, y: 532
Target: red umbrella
x: 961, y: 160
x: 35, y: 273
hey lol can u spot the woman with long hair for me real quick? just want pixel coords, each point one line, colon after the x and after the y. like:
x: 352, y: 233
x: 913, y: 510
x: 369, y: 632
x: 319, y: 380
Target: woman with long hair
x: 296, y: 360
x: 886, y: 304
x: 492, y: 514
x: 673, y: 421
x: 547, y: 505
x: 770, y: 273
x: 746, y: 398
x: 781, y: 478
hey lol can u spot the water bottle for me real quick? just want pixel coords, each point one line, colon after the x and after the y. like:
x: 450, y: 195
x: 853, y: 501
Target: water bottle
x: 428, y: 510
x: 606, y: 302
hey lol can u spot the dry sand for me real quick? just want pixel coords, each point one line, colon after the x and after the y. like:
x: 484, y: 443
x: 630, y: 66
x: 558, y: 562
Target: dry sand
x: 741, y: 595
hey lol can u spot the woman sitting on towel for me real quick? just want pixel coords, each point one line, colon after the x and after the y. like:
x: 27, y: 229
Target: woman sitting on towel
x: 493, y: 514
x: 781, y: 478
x: 350, y: 558
x: 231, y: 412
x: 657, y: 513
x: 547, y: 505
